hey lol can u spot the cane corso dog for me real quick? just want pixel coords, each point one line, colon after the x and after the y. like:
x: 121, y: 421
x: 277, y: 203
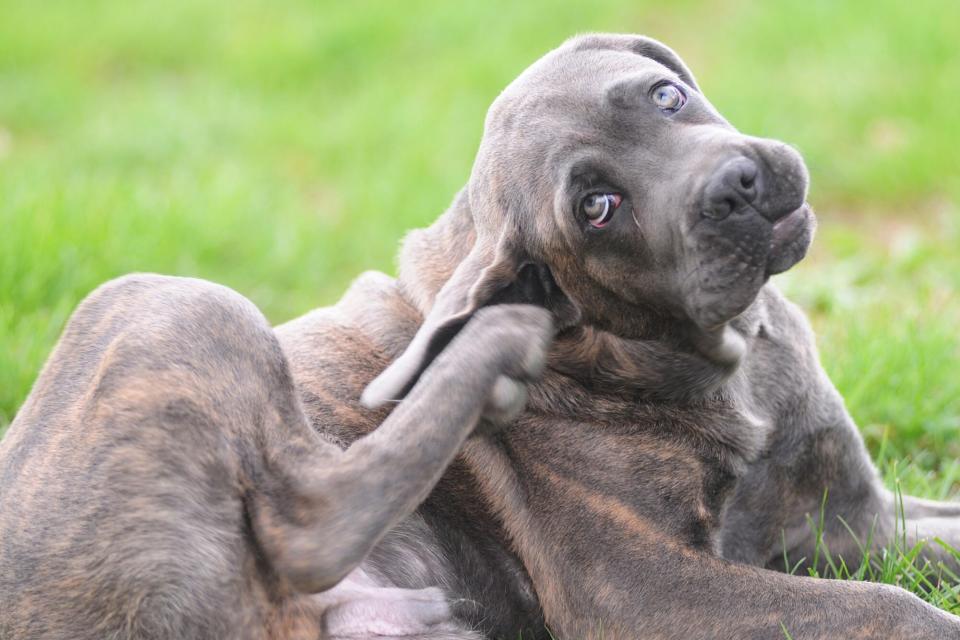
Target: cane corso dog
x: 580, y: 407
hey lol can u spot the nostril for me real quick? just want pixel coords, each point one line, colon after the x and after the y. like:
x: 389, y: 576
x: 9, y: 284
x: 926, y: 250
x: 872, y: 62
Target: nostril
x: 732, y: 188
x: 748, y: 171
x: 720, y: 208
x: 730, y: 205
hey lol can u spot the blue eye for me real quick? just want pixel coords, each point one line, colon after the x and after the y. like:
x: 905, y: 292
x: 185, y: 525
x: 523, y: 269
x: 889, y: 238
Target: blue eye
x: 668, y: 97
x: 598, y: 208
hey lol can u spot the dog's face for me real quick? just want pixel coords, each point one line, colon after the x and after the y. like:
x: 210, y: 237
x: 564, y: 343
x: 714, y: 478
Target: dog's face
x: 604, y: 166
x: 635, y: 191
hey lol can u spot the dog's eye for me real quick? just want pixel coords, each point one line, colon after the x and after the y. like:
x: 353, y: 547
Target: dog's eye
x: 598, y: 208
x: 668, y: 97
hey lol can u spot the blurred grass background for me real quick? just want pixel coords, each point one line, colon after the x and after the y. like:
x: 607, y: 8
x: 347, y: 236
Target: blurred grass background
x: 282, y: 148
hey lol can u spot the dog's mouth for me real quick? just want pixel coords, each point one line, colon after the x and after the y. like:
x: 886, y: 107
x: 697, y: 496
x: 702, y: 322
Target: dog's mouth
x: 735, y: 257
x: 790, y: 239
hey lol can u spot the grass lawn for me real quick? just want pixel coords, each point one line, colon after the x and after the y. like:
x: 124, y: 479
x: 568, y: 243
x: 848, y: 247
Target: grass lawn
x: 282, y: 148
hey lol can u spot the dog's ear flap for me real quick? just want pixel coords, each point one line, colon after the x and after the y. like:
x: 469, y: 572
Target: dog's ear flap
x: 642, y: 46
x: 485, y: 272
x: 659, y: 52
x: 488, y: 275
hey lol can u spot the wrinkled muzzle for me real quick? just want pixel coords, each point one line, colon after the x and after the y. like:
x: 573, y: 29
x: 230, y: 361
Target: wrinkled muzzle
x: 750, y: 220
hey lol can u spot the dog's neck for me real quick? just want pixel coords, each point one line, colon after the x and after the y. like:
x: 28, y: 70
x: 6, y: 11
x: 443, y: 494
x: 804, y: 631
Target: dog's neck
x: 663, y: 365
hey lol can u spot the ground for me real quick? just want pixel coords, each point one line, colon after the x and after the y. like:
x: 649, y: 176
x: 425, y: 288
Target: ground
x: 281, y: 149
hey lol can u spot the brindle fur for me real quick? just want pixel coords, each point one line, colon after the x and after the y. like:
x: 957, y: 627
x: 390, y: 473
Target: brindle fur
x: 682, y: 432
x: 161, y: 481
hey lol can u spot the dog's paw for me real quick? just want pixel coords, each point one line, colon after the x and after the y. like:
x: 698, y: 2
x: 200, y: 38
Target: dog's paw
x: 507, y: 399
x: 512, y: 337
x: 513, y: 341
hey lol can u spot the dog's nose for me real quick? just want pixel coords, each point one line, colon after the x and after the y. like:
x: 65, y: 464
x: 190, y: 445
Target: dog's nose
x: 731, y: 188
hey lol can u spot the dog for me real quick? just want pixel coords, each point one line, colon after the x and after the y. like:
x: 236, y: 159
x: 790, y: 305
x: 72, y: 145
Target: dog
x: 170, y: 473
x: 162, y: 481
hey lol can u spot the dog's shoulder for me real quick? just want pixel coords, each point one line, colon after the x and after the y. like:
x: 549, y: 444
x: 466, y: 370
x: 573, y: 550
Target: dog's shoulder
x: 334, y: 352
x: 782, y: 368
x: 782, y: 334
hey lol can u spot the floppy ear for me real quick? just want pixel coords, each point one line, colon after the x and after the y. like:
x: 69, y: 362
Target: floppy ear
x: 659, y: 52
x: 642, y: 46
x: 480, y: 276
x: 487, y: 276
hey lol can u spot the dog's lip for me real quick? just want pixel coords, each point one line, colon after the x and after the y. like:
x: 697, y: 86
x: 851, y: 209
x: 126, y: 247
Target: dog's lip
x: 786, y: 228
x: 790, y: 239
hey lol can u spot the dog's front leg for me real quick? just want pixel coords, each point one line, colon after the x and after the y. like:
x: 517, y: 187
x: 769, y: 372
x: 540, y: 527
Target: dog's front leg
x: 682, y: 594
x: 815, y: 485
x: 603, y: 567
x: 818, y: 495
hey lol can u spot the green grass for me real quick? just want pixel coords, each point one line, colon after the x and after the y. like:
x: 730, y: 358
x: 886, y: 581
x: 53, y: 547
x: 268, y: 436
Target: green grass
x: 282, y: 148
x: 896, y: 563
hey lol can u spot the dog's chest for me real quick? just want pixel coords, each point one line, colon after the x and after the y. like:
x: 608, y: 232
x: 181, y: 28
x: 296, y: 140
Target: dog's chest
x: 672, y: 467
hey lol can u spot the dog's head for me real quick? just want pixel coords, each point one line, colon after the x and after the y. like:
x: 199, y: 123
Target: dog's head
x: 605, y: 175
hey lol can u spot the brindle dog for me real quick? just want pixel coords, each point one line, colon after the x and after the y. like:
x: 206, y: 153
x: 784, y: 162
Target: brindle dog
x: 161, y: 480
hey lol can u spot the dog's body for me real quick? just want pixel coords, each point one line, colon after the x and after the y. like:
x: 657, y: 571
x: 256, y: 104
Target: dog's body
x: 615, y: 514
x: 670, y: 457
x: 161, y: 480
